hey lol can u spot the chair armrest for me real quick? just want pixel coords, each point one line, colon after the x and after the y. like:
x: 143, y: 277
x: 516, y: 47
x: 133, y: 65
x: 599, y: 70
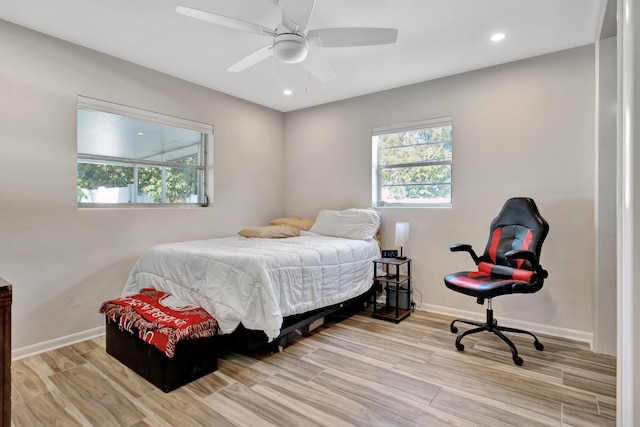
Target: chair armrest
x: 528, y: 256
x: 522, y: 254
x: 464, y: 247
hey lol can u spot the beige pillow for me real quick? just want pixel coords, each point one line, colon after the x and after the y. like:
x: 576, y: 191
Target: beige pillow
x: 270, y: 231
x: 294, y: 221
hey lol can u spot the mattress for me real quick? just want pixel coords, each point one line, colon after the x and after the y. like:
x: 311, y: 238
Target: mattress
x: 257, y: 282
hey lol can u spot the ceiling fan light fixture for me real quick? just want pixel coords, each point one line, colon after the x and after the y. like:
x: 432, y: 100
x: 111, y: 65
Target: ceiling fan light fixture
x: 290, y: 48
x: 291, y: 40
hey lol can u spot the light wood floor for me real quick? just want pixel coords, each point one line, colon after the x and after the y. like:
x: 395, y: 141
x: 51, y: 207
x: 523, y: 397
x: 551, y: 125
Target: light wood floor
x: 357, y: 372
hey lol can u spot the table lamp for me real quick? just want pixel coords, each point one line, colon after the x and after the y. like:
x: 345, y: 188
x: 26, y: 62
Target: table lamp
x: 402, y: 236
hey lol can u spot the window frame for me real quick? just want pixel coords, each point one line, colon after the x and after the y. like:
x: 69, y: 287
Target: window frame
x: 206, y: 131
x: 377, y: 168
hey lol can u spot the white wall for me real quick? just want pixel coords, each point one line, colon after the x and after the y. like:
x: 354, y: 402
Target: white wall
x: 520, y: 129
x: 628, y: 233
x: 631, y: 313
x: 605, y: 198
x: 525, y: 128
x: 64, y: 261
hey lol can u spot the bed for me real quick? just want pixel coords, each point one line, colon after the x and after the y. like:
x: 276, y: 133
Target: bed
x: 256, y: 282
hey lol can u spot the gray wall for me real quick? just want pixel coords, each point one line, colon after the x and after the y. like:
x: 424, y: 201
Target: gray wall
x: 520, y: 129
x: 64, y: 261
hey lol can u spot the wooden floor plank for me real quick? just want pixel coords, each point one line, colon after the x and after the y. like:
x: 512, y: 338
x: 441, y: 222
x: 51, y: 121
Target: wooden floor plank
x: 383, y: 403
x: 356, y: 371
x: 266, y: 408
x: 239, y: 412
x: 62, y: 359
x: 353, y: 339
x: 182, y: 408
x: 119, y: 373
x: 28, y: 380
x: 97, y: 398
x: 48, y: 409
x: 204, y: 386
x: 577, y: 418
x: 293, y: 366
x: 607, y: 406
x: 326, y: 407
x: 484, y: 412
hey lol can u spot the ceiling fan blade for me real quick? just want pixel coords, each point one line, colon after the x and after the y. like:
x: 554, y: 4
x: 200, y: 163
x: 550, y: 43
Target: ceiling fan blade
x: 252, y: 59
x: 225, y: 21
x: 296, y: 14
x: 346, y: 37
x: 318, y: 67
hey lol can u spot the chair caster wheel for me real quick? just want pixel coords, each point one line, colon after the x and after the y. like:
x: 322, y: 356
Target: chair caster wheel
x: 454, y: 330
x: 518, y: 361
x: 460, y: 347
x: 538, y: 345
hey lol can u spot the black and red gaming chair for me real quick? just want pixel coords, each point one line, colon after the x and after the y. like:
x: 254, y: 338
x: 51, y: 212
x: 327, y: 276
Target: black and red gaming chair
x: 510, y: 265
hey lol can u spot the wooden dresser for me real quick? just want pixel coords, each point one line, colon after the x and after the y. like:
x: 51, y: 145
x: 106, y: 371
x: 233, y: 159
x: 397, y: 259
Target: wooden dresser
x: 5, y: 351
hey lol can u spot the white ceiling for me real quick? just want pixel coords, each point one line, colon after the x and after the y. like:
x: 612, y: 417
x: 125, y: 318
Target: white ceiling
x: 436, y: 38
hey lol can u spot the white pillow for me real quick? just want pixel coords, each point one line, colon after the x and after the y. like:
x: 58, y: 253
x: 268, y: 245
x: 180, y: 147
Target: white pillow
x: 360, y: 224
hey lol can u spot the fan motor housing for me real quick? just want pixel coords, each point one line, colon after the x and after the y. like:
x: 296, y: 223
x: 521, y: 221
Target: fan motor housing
x: 290, y: 48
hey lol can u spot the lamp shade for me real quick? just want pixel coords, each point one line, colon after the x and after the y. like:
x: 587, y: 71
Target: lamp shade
x: 402, y: 233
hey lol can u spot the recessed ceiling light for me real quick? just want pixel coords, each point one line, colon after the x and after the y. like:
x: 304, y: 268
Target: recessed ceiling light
x: 498, y: 36
x: 140, y: 133
x: 287, y: 92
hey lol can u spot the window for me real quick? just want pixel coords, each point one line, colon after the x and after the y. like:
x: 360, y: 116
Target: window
x: 132, y: 157
x: 412, y: 163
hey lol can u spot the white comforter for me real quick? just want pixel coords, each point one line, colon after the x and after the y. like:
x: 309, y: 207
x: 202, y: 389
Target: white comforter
x: 258, y: 281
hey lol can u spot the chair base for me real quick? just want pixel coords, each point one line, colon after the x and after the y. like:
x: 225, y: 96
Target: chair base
x: 491, y: 325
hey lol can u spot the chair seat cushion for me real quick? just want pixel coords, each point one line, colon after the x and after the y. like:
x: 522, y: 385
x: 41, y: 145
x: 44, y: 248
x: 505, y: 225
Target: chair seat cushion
x: 505, y: 271
x: 486, y: 285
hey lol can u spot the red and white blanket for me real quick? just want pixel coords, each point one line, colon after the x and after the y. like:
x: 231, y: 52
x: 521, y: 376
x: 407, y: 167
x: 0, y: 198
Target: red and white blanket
x: 158, y: 323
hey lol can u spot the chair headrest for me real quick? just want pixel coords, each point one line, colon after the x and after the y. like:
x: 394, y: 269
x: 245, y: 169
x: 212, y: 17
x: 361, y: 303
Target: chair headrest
x: 521, y: 217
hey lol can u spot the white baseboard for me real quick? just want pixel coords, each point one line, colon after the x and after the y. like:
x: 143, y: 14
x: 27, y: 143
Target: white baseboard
x: 32, y: 350
x: 571, y: 334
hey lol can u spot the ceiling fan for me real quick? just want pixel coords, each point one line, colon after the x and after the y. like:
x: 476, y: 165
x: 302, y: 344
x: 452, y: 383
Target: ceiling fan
x: 292, y: 43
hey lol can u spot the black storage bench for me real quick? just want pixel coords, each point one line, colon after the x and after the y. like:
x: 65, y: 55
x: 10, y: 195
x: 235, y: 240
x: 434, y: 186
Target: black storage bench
x: 191, y: 358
